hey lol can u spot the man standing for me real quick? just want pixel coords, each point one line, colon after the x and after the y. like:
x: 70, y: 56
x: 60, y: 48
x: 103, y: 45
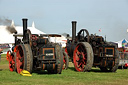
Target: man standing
x: 0, y: 53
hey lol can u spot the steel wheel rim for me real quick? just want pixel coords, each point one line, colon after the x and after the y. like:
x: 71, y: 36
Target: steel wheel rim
x: 80, y: 57
x: 19, y: 59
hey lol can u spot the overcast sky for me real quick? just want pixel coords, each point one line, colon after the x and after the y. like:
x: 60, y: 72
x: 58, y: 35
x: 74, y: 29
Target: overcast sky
x: 55, y: 16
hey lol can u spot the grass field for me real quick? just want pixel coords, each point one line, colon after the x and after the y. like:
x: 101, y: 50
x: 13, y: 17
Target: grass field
x: 68, y: 77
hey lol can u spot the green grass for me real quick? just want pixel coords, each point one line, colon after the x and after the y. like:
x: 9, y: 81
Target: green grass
x: 68, y: 77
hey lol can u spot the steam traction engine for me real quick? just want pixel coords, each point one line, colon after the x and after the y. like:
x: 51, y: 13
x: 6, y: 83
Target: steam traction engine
x: 91, y: 50
x: 35, y: 52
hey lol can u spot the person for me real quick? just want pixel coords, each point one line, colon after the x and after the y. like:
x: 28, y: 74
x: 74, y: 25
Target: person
x: 0, y: 53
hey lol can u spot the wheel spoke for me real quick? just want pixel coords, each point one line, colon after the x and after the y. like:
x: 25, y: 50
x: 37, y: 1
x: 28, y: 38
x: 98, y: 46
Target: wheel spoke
x: 77, y: 56
x: 78, y: 53
x: 79, y: 65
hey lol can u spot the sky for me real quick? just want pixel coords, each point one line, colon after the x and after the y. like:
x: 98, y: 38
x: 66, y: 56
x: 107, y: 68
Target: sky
x: 55, y: 16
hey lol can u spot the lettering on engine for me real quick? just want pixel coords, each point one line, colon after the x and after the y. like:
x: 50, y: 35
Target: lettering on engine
x: 49, y: 54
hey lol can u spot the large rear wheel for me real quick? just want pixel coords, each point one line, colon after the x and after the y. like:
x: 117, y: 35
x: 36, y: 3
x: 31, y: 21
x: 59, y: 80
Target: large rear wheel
x: 24, y: 58
x: 83, y: 57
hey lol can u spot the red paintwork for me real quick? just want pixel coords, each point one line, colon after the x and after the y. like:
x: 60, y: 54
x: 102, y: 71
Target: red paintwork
x: 11, y: 62
x: 19, y: 57
x: 126, y: 64
x: 8, y: 54
x: 79, y: 62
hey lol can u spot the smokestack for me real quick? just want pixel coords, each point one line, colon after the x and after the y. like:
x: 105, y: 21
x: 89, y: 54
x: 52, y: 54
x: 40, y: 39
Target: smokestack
x: 25, y: 34
x: 24, y: 25
x: 73, y: 30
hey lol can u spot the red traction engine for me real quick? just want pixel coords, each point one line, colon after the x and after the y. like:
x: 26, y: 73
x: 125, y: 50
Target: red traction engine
x: 34, y: 52
x: 87, y: 50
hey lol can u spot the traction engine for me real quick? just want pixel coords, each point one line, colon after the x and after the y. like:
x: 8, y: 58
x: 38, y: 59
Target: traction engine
x: 87, y: 50
x: 34, y: 52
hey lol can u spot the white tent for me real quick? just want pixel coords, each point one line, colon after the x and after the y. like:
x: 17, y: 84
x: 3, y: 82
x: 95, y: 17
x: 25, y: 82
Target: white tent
x: 32, y: 29
x: 7, y: 37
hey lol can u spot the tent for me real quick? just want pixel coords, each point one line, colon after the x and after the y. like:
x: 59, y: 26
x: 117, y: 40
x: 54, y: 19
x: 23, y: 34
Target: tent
x: 33, y: 30
x: 7, y: 37
x: 122, y: 43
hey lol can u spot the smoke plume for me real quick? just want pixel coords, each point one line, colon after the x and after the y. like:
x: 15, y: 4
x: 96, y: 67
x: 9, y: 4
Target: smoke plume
x: 11, y: 29
x: 5, y: 21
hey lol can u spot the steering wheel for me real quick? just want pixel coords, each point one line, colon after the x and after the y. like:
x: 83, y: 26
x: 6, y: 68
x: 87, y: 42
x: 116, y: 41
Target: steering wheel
x: 83, y: 35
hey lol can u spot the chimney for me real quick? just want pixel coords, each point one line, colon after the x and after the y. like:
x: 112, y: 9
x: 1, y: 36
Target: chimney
x: 73, y: 30
x: 24, y: 25
x: 25, y: 34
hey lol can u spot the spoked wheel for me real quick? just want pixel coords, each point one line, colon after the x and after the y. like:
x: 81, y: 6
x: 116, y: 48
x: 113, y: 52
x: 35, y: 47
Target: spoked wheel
x: 65, y: 60
x: 83, y: 57
x: 11, y: 62
x: 24, y: 58
x: 8, y: 54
